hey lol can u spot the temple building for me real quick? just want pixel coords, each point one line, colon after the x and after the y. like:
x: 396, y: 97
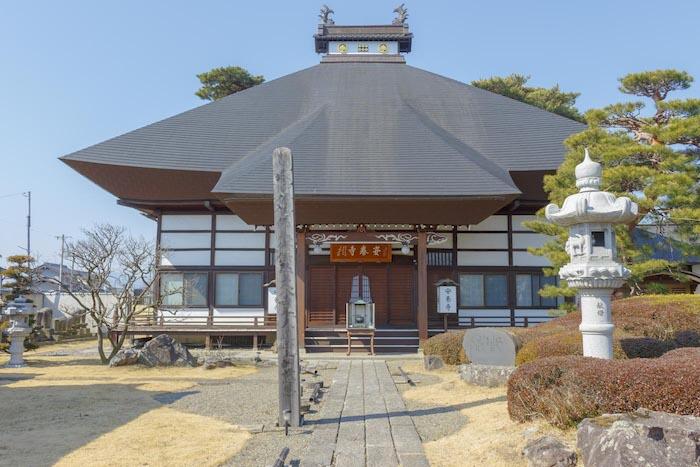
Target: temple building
x: 403, y: 179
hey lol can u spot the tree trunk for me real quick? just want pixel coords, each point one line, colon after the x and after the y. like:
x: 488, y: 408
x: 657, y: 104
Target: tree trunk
x: 100, y: 346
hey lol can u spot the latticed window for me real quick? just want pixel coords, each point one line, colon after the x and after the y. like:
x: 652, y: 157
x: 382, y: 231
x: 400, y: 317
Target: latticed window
x: 363, y: 48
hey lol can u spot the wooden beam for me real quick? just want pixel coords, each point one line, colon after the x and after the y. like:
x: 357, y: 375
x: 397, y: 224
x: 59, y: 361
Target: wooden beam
x: 422, y: 263
x: 301, y: 285
x: 285, y: 280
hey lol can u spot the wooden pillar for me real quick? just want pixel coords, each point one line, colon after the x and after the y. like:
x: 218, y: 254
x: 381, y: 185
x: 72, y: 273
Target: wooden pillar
x: 301, y: 286
x: 422, y: 263
x: 285, y: 280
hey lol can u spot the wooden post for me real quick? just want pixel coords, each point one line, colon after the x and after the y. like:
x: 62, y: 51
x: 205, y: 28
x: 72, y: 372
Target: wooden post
x: 422, y: 261
x: 301, y: 285
x: 285, y: 278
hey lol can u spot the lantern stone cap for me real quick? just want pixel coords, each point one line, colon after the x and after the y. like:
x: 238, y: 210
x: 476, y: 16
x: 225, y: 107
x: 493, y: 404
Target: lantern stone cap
x: 590, y: 205
x: 588, y: 174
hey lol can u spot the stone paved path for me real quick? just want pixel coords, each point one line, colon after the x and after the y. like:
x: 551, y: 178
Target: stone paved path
x: 364, y: 421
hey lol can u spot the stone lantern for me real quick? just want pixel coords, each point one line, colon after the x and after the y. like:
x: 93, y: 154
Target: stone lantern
x: 18, y: 310
x: 590, y: 215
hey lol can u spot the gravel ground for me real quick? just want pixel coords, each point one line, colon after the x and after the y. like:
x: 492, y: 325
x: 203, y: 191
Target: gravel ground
x: 251, y: 401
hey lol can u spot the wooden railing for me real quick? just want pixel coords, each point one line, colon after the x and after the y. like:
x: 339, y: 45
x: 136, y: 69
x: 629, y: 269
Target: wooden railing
x: 166, y: 319
x: 491, y: 321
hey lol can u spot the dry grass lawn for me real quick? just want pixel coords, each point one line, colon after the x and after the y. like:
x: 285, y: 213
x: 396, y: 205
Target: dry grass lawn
x: 489, y: 436
x: 83, y: 413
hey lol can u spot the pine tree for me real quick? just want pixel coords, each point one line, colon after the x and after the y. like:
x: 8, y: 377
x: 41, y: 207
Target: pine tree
x: 550, y: 99
x: 221, y: 82
x: 651, y: 157
x: 21, y: 275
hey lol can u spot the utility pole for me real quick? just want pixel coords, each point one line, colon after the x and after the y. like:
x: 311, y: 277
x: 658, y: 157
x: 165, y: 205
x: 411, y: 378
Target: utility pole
x: 285, y: 280
x: 60, y: 267
x: 29, y: 223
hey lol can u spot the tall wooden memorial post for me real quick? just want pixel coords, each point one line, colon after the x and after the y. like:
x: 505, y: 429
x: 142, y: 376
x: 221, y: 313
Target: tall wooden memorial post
x: 285, y: 281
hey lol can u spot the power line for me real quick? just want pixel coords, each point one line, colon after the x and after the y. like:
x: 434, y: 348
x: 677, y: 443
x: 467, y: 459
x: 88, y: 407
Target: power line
x: 13, y: 194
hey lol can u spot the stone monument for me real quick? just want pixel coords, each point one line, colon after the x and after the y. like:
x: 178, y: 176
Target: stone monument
x: 18, y: 310
x: 489, y: 346
x: 590, y: 215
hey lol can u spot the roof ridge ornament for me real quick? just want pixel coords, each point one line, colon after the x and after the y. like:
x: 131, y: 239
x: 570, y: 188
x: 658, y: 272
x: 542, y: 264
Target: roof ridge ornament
x: 325, y: 15
x: 401, y: 15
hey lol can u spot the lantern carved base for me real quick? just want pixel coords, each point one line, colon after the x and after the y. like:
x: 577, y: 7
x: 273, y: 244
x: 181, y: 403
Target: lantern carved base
x: 17, y: 333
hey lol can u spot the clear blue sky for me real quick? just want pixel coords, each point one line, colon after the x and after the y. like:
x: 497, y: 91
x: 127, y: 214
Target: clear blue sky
x: 74, y: 73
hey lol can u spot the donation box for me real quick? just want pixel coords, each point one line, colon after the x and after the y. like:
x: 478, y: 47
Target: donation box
x: 359, y: 315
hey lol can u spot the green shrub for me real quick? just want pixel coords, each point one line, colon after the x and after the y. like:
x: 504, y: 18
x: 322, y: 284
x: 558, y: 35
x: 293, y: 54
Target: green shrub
x: 645, y: 327
x: 565, y: 390
x: 447, y: 346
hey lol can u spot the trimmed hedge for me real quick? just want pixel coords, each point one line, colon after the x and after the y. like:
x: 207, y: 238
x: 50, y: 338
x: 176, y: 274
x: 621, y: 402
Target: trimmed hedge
x: 645, y: 327
x: 565, y: 390
x: 447, y: 346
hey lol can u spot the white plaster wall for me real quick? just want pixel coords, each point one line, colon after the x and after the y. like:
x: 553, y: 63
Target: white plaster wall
x: 523, y: 258
x: 482, y: 240
x: 482, y: 258
x: 490, y: 223
x: 525, y: 240
x: 232, y: 222
x: 183, y: 317
x: 185, y: 222
x: 240, y: 240
x: 519, y: 219
x: 185, y: 240
x: 239, y: 258
x: 237, y: 316
x: 63, y: 305
x: 186, y: 258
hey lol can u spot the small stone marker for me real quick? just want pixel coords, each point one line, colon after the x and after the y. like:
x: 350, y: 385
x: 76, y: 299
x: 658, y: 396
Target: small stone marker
x: 489, y: 346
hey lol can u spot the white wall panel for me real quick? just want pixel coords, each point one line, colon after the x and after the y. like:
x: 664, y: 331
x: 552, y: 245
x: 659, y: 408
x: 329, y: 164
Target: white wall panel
x: 525, y: 240
x: 240, y: 240
x: 186, y: 258
x: 185, y: 222
x: 523, y: 258
x: 482, y: 240
x: 519, y: 219
x: 482, y: 258
x: 491, y: 223
x: 240, y: 258
x: 231, y: 222
x: 185, y: 240
x: 484, y: 317
x: 238, y: 316
x: 185, y: 316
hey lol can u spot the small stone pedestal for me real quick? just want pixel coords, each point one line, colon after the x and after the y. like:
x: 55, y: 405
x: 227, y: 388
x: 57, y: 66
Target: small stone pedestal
x: 590, y: 215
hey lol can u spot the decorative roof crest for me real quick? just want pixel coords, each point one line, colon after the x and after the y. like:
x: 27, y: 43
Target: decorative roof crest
x: 401, y: 14
x: 325, y: 15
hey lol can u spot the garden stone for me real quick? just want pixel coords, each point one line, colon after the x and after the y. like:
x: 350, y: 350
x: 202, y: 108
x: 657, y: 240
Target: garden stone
x: 548, y: 452
x: 490, y: 346
x: 125, y: 357
x: 643, y: 437
x: 163, y: 350
x: 485, y: 375
x: 432, y: 362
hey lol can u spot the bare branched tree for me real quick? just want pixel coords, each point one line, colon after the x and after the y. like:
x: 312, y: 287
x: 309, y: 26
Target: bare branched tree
x: 118, y: 283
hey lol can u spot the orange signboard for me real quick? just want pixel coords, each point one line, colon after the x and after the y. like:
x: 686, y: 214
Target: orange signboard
x: 360, y: 252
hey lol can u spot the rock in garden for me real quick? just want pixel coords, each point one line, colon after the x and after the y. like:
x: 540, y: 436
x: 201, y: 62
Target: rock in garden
x: 643, y: 437
x: 432, y: 362
x: 548, y: 452
x: 485, y: 375
x: 125, y: 357
x: 163, y: 350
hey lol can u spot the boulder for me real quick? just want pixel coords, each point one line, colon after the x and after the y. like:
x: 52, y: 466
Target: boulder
x: 432, y: 362
x: 485, y: 375
x: 548, y: 452
x: 217, y: 362
x: 163, y: 350
x: 125, y: 357
x: 643, y: 437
